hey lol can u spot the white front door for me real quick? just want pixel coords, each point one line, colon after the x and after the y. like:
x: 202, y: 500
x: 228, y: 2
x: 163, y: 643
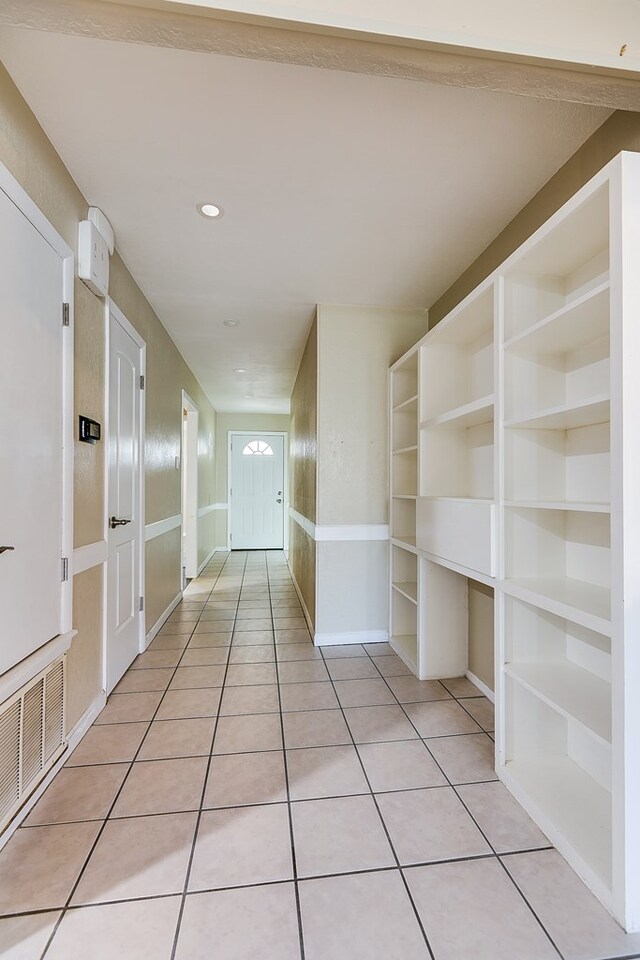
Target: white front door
x: 31, y: 437
x: 257, y: 492
x: 123, y: 503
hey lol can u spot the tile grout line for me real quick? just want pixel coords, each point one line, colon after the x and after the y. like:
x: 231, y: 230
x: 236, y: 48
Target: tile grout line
x: 273, y: 803
x: 493, y: 855
x: 453, y: 787
x: 262, y: 883
x: 381, y: 818
x: 76, y: 883
x: 294, y: 864
x: 196, y: 831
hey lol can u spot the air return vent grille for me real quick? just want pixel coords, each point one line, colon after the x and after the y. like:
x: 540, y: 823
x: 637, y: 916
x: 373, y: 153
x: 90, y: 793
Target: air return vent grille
x: 31, y: 737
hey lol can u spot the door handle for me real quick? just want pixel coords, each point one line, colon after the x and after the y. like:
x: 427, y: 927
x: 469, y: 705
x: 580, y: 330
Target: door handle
x: 2, y: 549
x: 115, y: 522
x: 278, y: 500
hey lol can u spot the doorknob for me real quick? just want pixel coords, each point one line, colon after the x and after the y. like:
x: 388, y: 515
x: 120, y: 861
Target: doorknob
x: 2, y: 549
x: 115, y: 522
x: 278, y: 500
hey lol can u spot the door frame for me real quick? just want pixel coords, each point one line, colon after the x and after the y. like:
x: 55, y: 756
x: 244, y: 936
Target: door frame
x: 110, y: 309
x: 189, y: 459
x: 18, y: 196
x: 258, y: 434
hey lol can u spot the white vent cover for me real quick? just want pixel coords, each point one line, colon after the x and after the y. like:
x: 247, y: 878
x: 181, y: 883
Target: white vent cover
x: 31, y: 737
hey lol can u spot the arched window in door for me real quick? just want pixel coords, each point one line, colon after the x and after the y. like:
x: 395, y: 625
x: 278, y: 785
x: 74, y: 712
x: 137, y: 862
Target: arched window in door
x: 257, y: 448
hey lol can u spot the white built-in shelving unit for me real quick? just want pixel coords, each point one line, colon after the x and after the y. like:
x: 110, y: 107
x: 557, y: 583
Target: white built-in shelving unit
x: 516, y: 462
x: 404, y: 486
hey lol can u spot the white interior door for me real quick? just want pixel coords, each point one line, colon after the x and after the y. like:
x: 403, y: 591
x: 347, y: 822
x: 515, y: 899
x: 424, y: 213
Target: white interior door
x: 123, y: 562
x: 31, y: 437
x: 189, y: 489
x: 257, y: 492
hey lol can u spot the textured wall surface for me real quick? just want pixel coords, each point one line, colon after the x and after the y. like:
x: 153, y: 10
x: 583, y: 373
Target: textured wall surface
x: 303, y: 466
x: 620, y: 132
x: 31, y: 159
x: 481, y: 632
x: 370, y: 51
x: 356, y: 345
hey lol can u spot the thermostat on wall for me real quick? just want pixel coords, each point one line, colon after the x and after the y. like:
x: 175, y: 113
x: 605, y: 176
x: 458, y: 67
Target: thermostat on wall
x: 93, y: 258
x: 89, y: 430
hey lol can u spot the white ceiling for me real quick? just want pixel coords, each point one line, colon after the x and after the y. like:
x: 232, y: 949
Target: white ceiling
x: 336, y: 187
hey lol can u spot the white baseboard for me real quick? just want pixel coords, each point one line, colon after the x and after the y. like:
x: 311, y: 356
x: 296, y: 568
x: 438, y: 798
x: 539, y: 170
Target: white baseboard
x: 162, y: 619
x: 477, y: 682
x: 224, y: 549
x: 73, y: 739
x: 307, y: 615
x: 206, y: 561
x: 354, y: 636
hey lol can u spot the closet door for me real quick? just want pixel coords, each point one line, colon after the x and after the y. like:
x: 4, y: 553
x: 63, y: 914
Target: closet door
x: 31, y: 437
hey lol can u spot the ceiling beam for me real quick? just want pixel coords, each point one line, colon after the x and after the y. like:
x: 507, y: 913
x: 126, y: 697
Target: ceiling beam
x: 198, y: 28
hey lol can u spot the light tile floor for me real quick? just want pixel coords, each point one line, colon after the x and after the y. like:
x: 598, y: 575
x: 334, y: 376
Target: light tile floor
x: 246, y: 795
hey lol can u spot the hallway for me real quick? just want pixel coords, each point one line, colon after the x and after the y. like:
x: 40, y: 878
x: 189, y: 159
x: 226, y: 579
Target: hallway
x: 245, y: 794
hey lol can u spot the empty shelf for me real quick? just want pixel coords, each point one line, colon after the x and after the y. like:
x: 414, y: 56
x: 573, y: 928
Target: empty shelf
x: 578, y: 322
x: 468, y: 415
x: 566, y: 417
x: 568, y: 688
x: 575, y: 600
x: 574, y: 809
x: 408, y: 589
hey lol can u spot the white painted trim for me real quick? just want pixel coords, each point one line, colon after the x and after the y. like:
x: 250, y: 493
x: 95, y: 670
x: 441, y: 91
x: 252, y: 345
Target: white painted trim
x: 68, y: 452
x: 73, y: 739
x: 18, y: 195
x: 91, y: 555
x: 308, y: 526
x: 164, y: 616
x: 285, y: 478
x: 353, y: 532
x: 346, y: 532
x: 307, y: 615
x: 223, y: 549
x: 354, y: 636
x: 189, y: 496
x: 482, y: 687
x: 206, y: 561
x: 23, y: 672
x: 203, y: 511
x: 160, y: 527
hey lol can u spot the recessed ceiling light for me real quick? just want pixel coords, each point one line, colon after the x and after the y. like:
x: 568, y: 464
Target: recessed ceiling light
x: 210, y: 210
x: 240, y: 370
x: 247, y: 396
x: 231, y: 323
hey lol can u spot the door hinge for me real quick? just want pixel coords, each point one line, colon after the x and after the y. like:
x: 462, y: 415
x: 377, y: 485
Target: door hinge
x: 142, y: 381
x: 65, y: 314
x: 64, y: 569
x: 141, y: 604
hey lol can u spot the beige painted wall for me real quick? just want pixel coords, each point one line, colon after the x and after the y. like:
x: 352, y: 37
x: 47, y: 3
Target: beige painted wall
x: 355, y: 347
x: 302, y: 470
x: 481, y: 632
x: 30, y: 157
x: 620, y: 132
x: 225, y: 422
x: 339, y: 460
